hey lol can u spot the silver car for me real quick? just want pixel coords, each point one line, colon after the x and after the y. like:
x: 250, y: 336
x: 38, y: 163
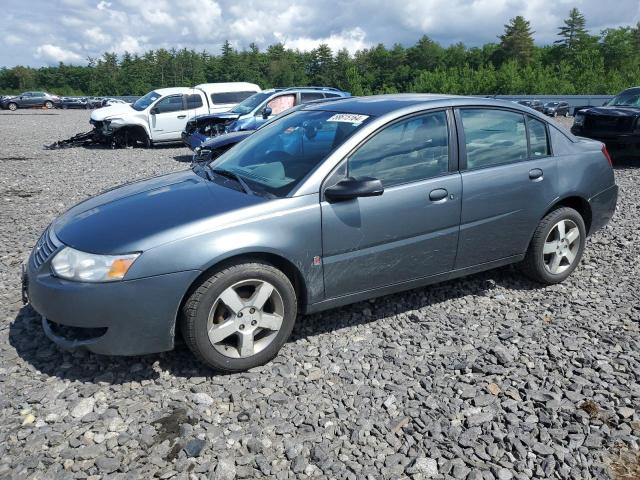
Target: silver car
x: 328, y: 205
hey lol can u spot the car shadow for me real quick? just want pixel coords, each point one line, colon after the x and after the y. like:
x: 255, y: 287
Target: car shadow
x: 32, y: 346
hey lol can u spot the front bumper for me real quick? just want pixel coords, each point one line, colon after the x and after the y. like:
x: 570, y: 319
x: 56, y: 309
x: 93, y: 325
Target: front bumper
x: 194, y: 139
x: 130, y: 317
x: 603, y: 207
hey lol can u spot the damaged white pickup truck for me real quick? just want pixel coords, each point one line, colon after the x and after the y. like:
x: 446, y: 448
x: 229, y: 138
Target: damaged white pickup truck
x: 160, y: 116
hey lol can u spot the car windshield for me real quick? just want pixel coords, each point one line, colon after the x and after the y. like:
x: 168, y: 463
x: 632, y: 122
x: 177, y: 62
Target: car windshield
x: 143, y: 102
x: 627, y: 99
x: 277, y: 157
x: 249, y: 104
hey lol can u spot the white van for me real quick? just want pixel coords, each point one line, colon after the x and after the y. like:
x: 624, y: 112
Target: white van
x: 161, y: 115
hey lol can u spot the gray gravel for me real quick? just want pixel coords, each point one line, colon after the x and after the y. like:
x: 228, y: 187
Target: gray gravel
x: 487, y: 377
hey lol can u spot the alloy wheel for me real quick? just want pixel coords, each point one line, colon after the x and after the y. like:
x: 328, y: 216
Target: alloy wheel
x: 245, y: 318
x: 561, y: 246
x: 12, y: 106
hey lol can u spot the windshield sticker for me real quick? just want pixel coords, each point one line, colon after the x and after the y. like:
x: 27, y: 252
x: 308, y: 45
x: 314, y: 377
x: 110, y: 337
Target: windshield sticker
x: 348, y: 118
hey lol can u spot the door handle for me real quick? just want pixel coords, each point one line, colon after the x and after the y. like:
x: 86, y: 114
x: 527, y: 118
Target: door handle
x: 535, y: 174
x: 438, y: 195
x: 182, y: 116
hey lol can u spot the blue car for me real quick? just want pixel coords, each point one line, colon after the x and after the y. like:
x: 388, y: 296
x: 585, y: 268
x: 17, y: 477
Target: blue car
x: 253, y: 112
x: 329, y: 204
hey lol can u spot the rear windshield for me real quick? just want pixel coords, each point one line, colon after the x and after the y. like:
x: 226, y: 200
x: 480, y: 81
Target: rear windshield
x: 230, y: 97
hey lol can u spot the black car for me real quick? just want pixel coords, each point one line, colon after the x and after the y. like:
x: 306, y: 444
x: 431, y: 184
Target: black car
x: 617, y: 124
x: 87, y: 103
x: 553, y: 109
x: 535, y: 104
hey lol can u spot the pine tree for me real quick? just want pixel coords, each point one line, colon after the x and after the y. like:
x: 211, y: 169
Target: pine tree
x: 516, y: 43
x: 573, y: 31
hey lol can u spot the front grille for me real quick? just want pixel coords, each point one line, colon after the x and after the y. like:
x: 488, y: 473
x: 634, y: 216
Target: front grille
x: 608, y: 123
x: 45, y: 247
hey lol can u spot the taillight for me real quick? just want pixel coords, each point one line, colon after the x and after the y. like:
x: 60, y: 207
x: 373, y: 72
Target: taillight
x: 605, y: 152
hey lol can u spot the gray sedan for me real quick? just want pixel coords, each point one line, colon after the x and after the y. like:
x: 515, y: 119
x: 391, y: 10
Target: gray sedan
x: 30, y: 100
x: 328, y: 205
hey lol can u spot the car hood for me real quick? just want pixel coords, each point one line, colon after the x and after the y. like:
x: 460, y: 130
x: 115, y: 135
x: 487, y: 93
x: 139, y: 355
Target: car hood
x: 619, y: 111
x: 226, y: 139
x: 223, y: 116
x: 147, y: 213
x: 117, y: 110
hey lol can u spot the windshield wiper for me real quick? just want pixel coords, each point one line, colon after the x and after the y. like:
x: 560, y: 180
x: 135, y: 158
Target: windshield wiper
x: 233, y: 176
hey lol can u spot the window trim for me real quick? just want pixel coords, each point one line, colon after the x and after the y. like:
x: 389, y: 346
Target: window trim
x: 462, y: 144
x: 328, y: 180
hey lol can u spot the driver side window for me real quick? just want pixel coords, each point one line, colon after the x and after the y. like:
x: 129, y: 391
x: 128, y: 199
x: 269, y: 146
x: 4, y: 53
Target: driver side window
x: 170, y: 104
x: 281, y: 103
x: 407, y: 151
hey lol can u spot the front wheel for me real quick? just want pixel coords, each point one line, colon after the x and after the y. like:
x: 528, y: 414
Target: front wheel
x: 556, y: 247
x: 48, y: 105
x: 566, y: 114
x: 240, y: 317
x: 13, y: 106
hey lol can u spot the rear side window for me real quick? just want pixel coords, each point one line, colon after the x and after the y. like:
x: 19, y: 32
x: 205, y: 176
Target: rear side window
x: 408, y: 151
x: 170, y: 104
x: 538, y: 139
x: 281, y: 103
x: 230, y: 97
x: 310, y: 96
x: 331, y: 95
x: 194, y: 101
x: 493, y: 137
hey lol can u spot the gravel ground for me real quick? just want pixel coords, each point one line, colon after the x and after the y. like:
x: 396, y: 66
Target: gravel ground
x: 485, y: 377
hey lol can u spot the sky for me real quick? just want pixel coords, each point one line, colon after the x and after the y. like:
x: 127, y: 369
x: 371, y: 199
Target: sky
x: 45, y: 32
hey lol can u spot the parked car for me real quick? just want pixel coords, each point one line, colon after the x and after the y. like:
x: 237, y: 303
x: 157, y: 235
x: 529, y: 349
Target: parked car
x: 161, y: 115
x: 553, y: 109
x: 332, y: 204
x: 253, y: 112
x: 30, y: 100
x: 107, y: 102
x: 617, y: 124
x: 535, y: 104
x: 87, y: 103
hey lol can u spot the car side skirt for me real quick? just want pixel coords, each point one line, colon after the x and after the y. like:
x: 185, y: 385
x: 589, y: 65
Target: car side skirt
x: 416, y: 283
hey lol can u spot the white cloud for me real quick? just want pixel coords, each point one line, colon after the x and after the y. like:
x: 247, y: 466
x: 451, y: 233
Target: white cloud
x: 102, y: 5
x: 53, y: 53
x: 353, y: 40
x: 96, y: 36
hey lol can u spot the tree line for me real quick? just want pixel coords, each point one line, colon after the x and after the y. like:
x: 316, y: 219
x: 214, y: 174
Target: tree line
x: 576, y: 63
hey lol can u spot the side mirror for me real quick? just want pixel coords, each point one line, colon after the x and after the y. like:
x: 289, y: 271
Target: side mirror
x: 351, y: 188
x: 266, y: 112
x: 154, y: 111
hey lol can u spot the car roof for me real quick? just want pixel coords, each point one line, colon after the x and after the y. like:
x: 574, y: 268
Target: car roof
x: 378, y: 105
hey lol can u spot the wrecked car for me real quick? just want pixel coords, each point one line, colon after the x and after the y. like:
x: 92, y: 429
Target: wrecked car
x: 253, y: 112
x: 159, y: 116
x: 616, y: 124
x: 30, y: 100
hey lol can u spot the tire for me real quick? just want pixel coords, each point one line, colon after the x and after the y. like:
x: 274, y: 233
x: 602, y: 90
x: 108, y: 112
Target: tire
x: 566, y: 114
x: 204, y: 309
x: 545, y: 267
x: 555, y: 114
x: 48, y: 105
x: 13, y: 106
x: 65, y: 107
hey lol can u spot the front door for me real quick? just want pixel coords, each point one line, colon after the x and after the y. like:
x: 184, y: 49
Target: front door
x: 168, y: 118
x: 411, y: 230
x: 509, y: 180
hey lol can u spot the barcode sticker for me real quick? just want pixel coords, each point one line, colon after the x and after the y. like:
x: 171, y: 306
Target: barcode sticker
x: 348, y: 118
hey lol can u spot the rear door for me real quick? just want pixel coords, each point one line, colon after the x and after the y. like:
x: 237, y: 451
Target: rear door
x: 508, y: 179
x: 411, y: 230
x: 167, y: 118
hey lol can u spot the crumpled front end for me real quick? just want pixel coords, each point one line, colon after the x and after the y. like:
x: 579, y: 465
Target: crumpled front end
x: 200, y: 129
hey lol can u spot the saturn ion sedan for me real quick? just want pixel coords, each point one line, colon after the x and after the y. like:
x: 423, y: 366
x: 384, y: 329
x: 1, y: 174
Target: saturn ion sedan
x: 331, y: 204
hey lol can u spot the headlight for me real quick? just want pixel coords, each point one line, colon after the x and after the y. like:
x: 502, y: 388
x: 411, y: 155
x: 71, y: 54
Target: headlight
x: 75, y: 265
x: 578, y: 119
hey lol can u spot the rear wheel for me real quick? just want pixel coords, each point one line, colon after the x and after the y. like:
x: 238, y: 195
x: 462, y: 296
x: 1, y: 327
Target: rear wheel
x: 13, y: 106
x: 556, y: 247
x: 240, y: 317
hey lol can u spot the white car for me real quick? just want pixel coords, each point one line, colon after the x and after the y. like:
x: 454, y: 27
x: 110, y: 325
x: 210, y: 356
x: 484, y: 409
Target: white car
x: 161, y: 115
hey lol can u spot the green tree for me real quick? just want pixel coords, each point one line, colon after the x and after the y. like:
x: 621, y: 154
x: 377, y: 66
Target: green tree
x: 516, y: 43
x: 573, y: 32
